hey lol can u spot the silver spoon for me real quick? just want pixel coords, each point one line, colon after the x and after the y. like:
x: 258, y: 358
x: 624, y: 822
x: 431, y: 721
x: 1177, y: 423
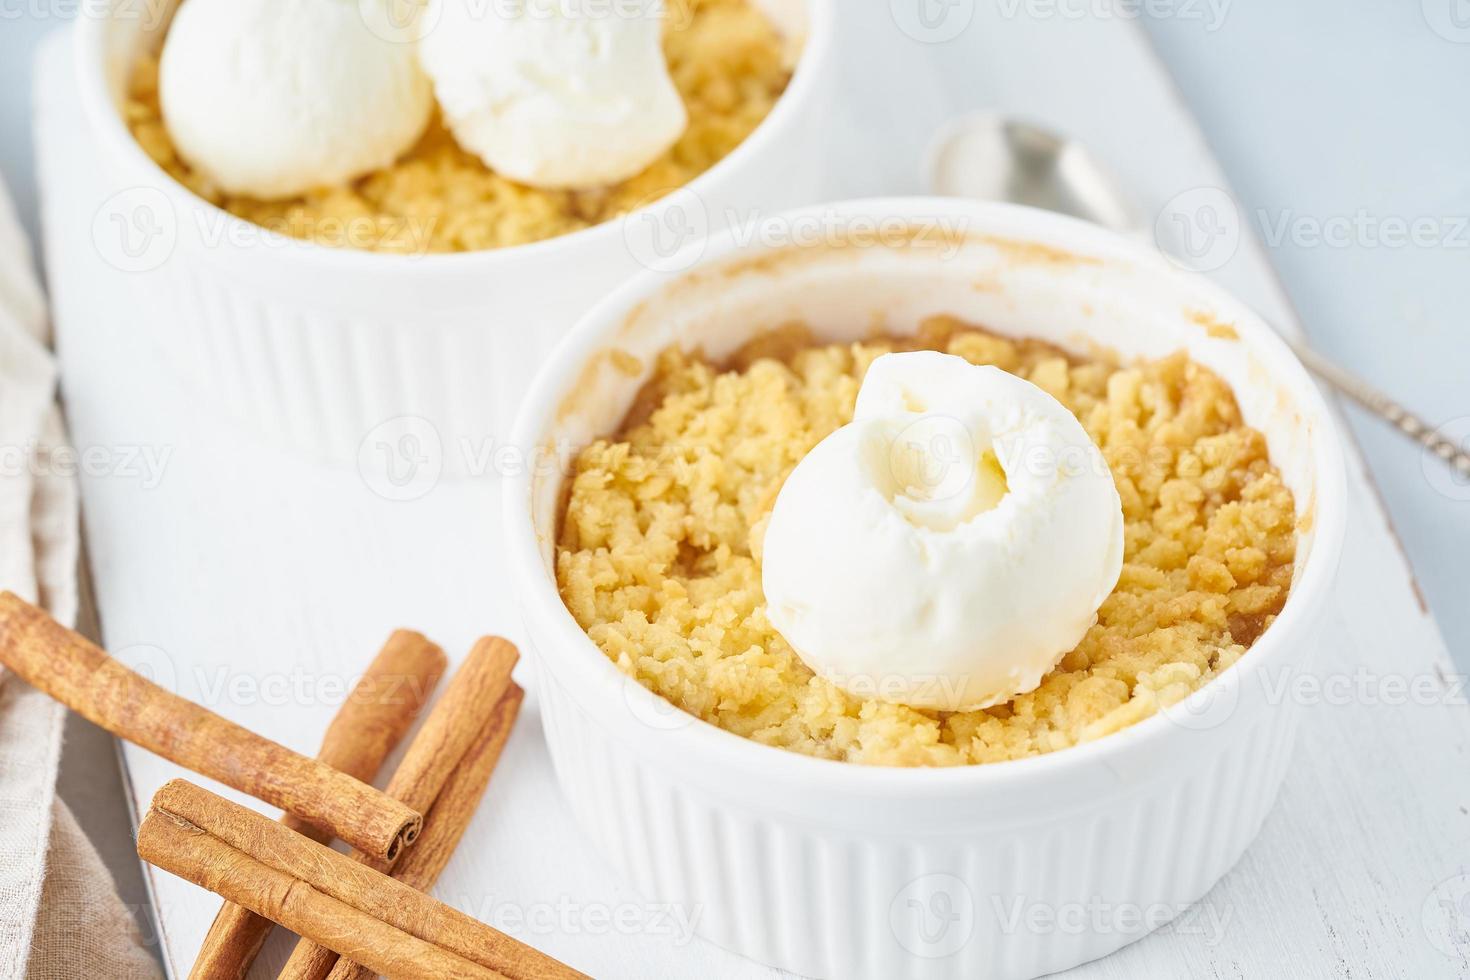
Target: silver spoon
x: 995, y: 158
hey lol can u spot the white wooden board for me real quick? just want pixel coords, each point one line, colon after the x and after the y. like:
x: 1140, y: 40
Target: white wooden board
x: 259, y: 582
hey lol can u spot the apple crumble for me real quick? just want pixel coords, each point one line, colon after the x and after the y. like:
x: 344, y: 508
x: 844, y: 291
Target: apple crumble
x: 659, y: 556
x: 724, y: 56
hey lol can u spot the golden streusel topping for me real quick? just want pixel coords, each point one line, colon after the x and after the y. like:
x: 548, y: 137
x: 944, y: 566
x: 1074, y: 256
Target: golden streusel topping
x: 659, y: 550
x: 726, y: 61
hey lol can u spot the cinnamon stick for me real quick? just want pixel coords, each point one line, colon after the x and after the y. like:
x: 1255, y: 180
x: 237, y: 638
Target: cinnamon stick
x: 447, y: 734
x: 311, y: 889
x: 445, y: 824
x: 455, y: 723
x: 77, y: 673
x: 180, y: 848
x: 380, y: 709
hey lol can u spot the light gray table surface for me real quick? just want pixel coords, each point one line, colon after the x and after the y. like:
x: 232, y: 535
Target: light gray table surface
x: 1336, y: 120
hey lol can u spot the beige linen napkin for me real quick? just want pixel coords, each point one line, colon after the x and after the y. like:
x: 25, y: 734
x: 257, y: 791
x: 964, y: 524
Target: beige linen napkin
x: 83, y: 930
x: 60, y: 916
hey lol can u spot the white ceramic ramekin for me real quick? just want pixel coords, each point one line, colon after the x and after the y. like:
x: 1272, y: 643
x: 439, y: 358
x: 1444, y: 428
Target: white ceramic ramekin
x: 837, y: 870
x: 316, y: 347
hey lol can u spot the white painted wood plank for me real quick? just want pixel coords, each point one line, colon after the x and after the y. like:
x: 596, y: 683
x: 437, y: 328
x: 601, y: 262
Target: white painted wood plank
x: 246, y: 563
x: 258, y: 585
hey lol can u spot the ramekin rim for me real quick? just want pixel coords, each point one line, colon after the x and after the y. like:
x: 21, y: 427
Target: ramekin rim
x: 107, y: 124
x: 539, y: 601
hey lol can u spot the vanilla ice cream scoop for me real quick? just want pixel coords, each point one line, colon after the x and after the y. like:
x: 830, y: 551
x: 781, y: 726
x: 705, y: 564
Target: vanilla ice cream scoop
x: 552, y: 94
x: 947, y: 547
x: 271, y: 98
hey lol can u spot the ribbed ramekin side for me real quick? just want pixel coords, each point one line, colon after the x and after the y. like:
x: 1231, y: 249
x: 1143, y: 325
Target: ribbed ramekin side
x: 320, y: 382
x: 1044, y: 893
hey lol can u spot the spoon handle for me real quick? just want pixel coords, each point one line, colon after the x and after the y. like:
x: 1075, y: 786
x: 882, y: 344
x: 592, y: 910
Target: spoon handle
x: 1385, y: 407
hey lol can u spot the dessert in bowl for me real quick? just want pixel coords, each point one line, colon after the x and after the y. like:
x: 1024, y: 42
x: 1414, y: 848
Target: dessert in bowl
x: 432, y: 179
x: 671, y: 522
x: 335, y: 249
x: 812, y: 818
